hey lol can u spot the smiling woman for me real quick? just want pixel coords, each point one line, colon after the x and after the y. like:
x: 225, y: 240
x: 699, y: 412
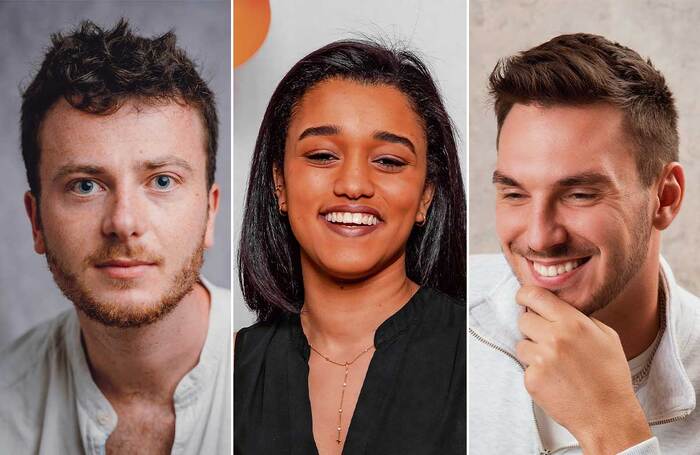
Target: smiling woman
x: 352, y: 255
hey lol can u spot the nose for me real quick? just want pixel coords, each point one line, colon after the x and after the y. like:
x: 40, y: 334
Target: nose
x: 354, y: 178
x: 545, y: 231
x: 123, y: 216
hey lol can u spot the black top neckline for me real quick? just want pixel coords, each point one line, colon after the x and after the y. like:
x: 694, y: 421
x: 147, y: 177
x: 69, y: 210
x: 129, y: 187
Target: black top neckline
x: 388, y: 330
x: 413, y: 398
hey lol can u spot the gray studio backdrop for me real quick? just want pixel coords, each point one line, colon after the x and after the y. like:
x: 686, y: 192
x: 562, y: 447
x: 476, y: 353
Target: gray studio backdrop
x: 27, y: 292
x: 663, y: 30
x: 436, y: 29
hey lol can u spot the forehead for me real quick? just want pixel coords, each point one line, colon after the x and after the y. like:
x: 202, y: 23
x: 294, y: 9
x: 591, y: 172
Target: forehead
x: 544, y: 144
x: 136, y: 131
x: 357, y: 108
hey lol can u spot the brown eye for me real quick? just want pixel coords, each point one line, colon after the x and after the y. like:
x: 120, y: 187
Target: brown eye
x: 390, y: 163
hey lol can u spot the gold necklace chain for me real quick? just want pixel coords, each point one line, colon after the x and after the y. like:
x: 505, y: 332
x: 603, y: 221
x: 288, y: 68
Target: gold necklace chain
x: 345, y: 381
x: 640, y: 377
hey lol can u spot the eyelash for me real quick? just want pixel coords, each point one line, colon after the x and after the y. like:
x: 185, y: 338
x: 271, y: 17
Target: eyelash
x: 389, y: 163
x: 321, y: 157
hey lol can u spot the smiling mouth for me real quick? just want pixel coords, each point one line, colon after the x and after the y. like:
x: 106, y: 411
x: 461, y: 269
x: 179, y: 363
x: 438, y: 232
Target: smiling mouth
x: 351, y: 219
x: 561, y: 268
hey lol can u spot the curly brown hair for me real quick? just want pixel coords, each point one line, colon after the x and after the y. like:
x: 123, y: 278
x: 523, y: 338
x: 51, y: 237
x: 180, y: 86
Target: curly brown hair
x: 97, y: 70
x: 583, y: 69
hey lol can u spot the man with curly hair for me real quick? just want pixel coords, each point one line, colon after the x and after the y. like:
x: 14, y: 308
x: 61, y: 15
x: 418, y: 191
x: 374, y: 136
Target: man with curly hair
x: 119, y: 139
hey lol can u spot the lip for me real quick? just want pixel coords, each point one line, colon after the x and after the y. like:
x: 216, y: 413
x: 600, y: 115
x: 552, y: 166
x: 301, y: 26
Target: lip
x: 353, y: 208
x: 559, y: 281
x: 349, y: 231
x: 125, y: 268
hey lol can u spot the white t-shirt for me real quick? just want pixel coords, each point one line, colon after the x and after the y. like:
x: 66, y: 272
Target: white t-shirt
x: 50, y: 405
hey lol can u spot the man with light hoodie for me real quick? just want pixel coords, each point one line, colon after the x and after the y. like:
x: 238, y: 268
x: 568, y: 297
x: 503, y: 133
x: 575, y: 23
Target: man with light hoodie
x: 581, y: 341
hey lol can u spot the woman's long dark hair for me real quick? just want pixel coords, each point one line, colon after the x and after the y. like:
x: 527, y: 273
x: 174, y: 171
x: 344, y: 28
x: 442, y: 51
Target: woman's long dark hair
x: 269, y: 267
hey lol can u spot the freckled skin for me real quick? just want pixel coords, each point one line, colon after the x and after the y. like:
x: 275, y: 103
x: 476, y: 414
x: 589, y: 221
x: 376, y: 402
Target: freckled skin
x: 126, y: 207
x: 130, y: 210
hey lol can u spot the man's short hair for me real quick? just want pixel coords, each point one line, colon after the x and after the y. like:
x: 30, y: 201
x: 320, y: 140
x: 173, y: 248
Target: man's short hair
x: 97, y: 70
x: 582, y: 69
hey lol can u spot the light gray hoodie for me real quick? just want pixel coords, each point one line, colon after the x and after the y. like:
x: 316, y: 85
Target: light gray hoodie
x: 501, y: 417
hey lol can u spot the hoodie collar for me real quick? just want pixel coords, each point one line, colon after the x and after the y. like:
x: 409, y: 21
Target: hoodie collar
x: 667, y: 392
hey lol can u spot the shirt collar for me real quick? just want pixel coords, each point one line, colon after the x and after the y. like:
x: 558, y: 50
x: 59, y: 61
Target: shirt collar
x: 97, y: 418
x: 385, y: 333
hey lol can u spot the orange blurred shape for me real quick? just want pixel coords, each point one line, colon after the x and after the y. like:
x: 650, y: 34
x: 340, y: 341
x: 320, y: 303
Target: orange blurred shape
x: 251, y: 21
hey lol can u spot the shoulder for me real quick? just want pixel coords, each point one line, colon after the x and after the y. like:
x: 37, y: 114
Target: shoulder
x: 32, y: 354
x: 254, y: 340
x: 441, y: 309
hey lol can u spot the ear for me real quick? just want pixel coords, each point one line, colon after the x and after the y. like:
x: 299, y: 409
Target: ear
x: 669, y: 194
x: 31, y: 205
x: 424, y: 204
x: 280, y: 189
x: 213, y: 209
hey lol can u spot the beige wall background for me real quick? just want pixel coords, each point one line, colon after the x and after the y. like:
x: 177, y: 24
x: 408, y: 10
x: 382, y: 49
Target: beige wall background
x: 666, y: 31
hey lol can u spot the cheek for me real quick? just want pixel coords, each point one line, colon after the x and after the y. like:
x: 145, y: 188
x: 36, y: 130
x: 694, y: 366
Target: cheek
x: 510, y: 223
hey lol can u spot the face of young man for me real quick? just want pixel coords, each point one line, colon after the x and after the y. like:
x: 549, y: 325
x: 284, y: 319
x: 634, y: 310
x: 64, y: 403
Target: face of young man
x: 124, y: 209
x: 571, y: 214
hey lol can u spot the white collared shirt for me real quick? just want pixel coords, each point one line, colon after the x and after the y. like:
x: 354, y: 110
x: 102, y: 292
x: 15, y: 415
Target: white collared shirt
x: 49, y: 403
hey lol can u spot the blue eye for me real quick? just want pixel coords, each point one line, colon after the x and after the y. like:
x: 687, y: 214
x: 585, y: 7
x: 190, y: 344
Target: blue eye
x: 163, y: 182
x: 85, y: 187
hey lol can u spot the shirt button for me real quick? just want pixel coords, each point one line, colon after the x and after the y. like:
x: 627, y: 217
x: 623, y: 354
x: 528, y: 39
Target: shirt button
x: 103, y: 419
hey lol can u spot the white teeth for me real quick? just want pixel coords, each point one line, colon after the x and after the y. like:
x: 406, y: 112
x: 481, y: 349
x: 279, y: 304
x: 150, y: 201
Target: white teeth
x: 351, y: 218
x: 554, y: 270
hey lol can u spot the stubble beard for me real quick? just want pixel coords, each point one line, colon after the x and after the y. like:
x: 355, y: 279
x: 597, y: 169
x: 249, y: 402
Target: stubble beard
x: 610, y: 290
x: 619, y: 276
x: 114, y: 314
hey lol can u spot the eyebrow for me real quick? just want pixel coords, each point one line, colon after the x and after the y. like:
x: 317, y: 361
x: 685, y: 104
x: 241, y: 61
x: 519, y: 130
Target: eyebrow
x: 166, y: 161
x: 323, y: 130
x: 78, y: 169
x: 333, y: 130
x: 394, y: 139
x: 154, y: 164
x: 499, y: 178
x: 585, y: 179
x: 582, y: 179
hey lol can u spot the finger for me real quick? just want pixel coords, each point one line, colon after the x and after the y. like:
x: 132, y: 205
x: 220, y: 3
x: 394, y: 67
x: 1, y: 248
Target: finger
x: 605, y: 328
x: 526, y: 352
x: 534, y: 326
x: 545, y: 303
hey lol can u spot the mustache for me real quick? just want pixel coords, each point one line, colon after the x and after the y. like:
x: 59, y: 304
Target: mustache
x: 562, y: 250
x: 123, y: 251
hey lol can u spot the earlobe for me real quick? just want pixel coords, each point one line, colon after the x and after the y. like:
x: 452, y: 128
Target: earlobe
x: 211, y: 218
x: 425, y: 201
x: 32, y: 207
x: 671, y: 188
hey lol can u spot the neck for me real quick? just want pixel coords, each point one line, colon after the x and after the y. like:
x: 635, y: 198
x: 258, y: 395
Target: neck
x: 148, y: 361
x: 340, y: 316
x: 634, y: 314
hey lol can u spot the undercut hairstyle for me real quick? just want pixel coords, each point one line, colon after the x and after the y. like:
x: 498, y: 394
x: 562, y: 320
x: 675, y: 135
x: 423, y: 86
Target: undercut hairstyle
x: 97, y: 71
x: 582, y: 69
x: 269, y: 256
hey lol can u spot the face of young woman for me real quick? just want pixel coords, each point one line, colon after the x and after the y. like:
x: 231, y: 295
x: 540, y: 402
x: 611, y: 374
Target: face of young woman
x: 354, y: 177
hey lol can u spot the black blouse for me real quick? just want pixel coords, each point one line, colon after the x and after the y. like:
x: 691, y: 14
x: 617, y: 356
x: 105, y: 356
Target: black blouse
x: 413, y: 400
